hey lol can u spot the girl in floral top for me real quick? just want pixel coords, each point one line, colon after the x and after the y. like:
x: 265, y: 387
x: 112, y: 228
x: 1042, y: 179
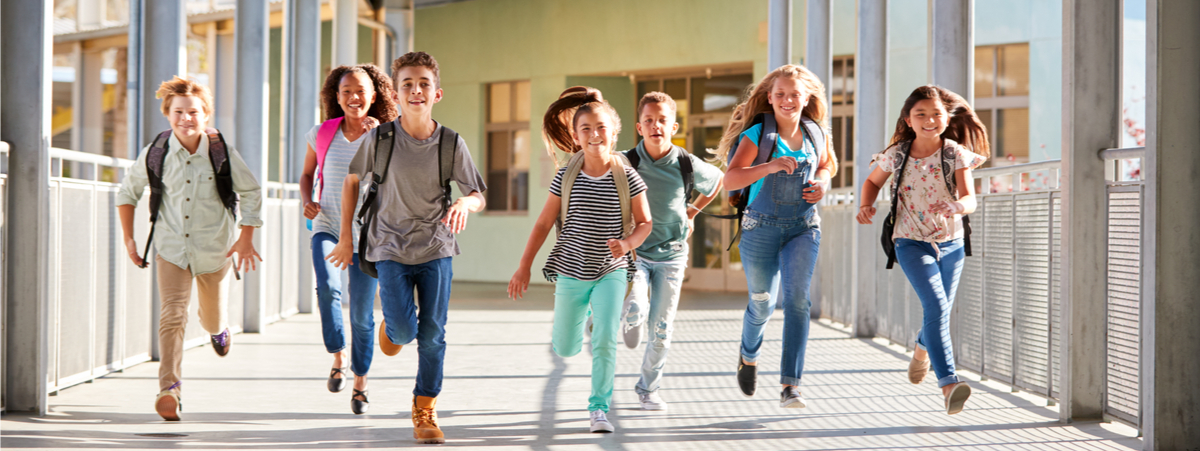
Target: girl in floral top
x: 938, y: 136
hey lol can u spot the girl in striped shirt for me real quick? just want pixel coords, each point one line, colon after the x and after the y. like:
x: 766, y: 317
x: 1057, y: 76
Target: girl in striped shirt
x: 591, y: 262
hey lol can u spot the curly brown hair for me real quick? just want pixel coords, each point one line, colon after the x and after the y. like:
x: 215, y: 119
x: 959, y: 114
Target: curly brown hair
x: 383, y: 108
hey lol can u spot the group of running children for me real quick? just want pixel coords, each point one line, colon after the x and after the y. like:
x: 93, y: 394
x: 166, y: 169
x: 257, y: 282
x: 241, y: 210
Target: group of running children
x: 621, y: 217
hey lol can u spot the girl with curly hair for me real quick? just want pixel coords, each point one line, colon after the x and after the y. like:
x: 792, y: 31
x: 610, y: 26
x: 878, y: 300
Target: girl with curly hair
x: 356, y: 99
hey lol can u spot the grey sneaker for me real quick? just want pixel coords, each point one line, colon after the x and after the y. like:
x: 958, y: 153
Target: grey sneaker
x: 651, y: 401
x: 790, y: 398
x: 633, y: 319
x: 600, y: 422
x: 633, y: 335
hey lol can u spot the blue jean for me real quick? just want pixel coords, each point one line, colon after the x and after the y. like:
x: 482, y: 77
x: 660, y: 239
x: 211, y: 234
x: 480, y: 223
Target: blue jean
x: 572, y: 298
x: 933, y: 270
x: 652, y: 300
x: 329, y: 304
x: 421, y: 317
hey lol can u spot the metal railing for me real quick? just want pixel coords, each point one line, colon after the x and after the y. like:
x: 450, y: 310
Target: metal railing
x: 101, y: 305
x: 3, y: 273
x: 1125, y: 191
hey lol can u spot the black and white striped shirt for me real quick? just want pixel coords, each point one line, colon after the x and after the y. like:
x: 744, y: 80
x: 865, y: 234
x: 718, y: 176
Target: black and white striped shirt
x: 594, y: 217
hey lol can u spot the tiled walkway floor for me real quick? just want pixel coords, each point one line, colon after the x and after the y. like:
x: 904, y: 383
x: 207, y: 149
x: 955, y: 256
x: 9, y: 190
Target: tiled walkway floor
x: 505, y: 389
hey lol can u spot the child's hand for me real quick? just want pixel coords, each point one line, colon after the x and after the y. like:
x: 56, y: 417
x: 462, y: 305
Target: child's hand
x: 619, y: 247
x: 783, y: 164
x: 946, y: 208
x: 865, y: 213
x: 311, y: 209
x: 456, y: 216
x: 814, y: 191
x: 244, y: 248
x: 370, y: 123
x: 342, y: 255
x: 131, y: 247
x: 518, y: 284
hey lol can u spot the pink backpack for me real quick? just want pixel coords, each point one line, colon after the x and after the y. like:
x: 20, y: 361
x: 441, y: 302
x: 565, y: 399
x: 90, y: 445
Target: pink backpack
x: 324, y: 139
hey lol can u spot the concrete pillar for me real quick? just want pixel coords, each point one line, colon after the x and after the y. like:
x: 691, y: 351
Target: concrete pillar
x: 301, y: 109
x: 133, y: 84
x: 779, y: 33
x: 398, y: 14
x: 1170, y: 343
x: 1091, y: 114
x: 251, y: 44
x: 164, y: 47
x: 870, y: 132
x: 818, y: 40
x: 345, y: 32
x: 952, y: 46
x: 25, y: 125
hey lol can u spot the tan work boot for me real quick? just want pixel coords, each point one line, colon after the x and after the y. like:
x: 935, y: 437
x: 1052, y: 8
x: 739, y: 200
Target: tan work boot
x: 425, y: 427
x: 385, y: 345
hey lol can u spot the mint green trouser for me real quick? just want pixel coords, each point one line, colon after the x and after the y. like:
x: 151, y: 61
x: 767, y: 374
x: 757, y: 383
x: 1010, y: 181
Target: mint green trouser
x: 571, y: 299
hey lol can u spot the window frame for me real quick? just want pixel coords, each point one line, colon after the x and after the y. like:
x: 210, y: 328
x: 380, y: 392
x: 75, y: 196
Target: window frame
x: 510, y: 129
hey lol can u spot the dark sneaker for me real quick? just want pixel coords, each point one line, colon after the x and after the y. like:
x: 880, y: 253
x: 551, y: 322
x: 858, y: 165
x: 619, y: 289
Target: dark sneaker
x: 790, y: 398
x: 747, y: 377
x: 221, y: 342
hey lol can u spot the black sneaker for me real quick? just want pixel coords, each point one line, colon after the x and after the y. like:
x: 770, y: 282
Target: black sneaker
x: 790, y: 398
x: 747, y: 376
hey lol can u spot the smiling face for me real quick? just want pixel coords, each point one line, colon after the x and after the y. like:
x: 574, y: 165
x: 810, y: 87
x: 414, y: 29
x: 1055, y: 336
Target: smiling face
x: 928, y: 119
x: 656, y: 124
x: 788, y: 98
x: 355, y: 95
x: 595, y: 131
x: 416, y: 90
x: 187, y: 117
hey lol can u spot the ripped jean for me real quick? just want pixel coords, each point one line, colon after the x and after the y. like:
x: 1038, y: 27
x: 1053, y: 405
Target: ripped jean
x: 779, y: 253
x: 663, y: 280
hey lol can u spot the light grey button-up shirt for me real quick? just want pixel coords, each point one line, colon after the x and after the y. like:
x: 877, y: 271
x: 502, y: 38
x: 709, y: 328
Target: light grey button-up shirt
x: 194, y: 229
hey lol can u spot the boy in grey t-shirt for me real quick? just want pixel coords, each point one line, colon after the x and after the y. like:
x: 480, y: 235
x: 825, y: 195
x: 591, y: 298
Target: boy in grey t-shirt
x: 411, y: 239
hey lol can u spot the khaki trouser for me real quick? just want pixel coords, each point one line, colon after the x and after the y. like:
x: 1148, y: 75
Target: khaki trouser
x: 175, y: 292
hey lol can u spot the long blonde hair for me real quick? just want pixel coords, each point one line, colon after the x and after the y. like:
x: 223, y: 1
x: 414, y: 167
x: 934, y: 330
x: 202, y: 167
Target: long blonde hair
x: 756, y: 103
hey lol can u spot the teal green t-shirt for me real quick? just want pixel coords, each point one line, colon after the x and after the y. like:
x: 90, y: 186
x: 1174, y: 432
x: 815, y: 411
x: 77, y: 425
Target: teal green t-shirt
x: 668, y: 202
x: 781, y: 150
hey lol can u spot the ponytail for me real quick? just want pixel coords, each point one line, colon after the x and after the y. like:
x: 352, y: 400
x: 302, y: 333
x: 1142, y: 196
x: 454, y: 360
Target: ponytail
x: 559, y: 122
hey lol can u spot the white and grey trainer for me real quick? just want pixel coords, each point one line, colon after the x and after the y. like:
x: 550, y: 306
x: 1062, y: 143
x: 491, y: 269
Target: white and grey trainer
x: 651, y: 401
x: 790, y: 398
x: 600, y: 422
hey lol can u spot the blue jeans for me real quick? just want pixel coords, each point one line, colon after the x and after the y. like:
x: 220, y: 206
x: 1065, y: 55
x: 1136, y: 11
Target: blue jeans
x: 933, y: 271
x: 329, y: 304
x: 422, y: 317
x: 652, y: 301
x: 779, y: 253
x: 572, y: 298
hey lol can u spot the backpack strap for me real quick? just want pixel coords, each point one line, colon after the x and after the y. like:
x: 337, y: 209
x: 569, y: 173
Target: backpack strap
x: 688, y: 173
x: 325, y: 136
x: 817, y: 134
x: 154, y: 171
x: 447, y: 144
x: 949, y: 156
x: 633, y: 157
x: 218, y: 155
x: 904, y: 148
x: 574, y: 166
x: 617, y: 166
x: 385, y: 135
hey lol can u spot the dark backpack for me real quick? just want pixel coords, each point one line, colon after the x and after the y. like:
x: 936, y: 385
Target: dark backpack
x: 218, y: 155
x: 384, y: 138
x: 767, y: 142
x: 949, y: 154
x: 685, y: 169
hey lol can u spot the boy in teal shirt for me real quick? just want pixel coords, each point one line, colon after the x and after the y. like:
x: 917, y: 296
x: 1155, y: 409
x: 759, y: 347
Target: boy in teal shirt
x: 662, y: 258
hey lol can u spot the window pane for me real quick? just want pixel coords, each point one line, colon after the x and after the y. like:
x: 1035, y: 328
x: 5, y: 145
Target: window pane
x: 836, y: 133
x: 499, y: 153
x: 520, y: 178
x: 498, y: 161
x: 62, y: 112
x: 985, y: 73
x: 847, y: 174
x: 520, y: 149
x: 520, y: 192
x: 718, y: 94
x: 847, y: 154
x: 646, y: 86
x: 1013, y: 79
x: 836, y: 95
x: 1013, y: 138
x: 499, y: 102
x: 849, y: 81
x: 985, y: 117
x: 522, y: 99
x: 676, y: 88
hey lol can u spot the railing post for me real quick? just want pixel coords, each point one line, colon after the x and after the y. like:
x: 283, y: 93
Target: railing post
x: 1091, y: 114
x: 25, y: 122
x: 302, y: 82
x: 870, y: 128
x: 250, y: 41
x: 1170, y: 343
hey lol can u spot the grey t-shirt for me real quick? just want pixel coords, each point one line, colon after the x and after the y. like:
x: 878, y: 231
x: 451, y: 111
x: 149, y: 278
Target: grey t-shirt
x: 408, y: 228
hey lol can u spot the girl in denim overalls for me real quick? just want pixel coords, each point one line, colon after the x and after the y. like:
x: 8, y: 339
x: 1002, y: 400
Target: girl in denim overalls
x: 780, y: 230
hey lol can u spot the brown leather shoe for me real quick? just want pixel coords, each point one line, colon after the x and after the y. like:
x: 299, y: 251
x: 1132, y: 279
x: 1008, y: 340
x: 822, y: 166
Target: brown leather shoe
x: 389, y: 349
x: 168, y: 405
x: 917, y: 369
x: 425, y: 427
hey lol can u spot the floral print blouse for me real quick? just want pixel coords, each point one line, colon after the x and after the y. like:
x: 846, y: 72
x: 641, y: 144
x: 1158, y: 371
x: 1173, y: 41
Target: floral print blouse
x: 921, y: 188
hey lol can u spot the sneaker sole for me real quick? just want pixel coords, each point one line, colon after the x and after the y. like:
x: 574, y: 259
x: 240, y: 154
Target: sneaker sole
x: 958, y: 398
x: 430, y: 441
x: 653, y: 407
x: 793, y: 404
x: 602, y: 429
x: 167, y: 408
x: 633, y: 337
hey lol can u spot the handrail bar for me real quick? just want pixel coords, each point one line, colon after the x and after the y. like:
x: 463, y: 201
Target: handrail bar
x: 84, y: 157
x: 1017, y: 168
x: 1123, y: 153
x: 3, y: 147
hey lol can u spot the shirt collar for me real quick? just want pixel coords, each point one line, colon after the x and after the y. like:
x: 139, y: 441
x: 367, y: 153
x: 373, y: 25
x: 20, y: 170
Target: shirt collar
x: 173, y: 146
x: 669, y: 158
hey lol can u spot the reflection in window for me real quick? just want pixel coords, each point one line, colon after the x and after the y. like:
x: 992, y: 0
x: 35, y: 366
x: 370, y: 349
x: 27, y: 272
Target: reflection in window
x: 719, y: 93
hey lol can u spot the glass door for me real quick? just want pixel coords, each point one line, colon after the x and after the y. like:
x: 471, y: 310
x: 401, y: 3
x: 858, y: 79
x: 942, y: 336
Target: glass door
x: 712, y: 267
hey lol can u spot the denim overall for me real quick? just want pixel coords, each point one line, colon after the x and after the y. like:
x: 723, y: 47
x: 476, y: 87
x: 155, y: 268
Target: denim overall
x: 780, y: 238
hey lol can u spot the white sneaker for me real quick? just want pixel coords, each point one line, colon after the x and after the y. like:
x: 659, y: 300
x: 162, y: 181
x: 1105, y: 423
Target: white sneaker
x: 651, y: 401
x: 633, y: 317
x: 600, y: 422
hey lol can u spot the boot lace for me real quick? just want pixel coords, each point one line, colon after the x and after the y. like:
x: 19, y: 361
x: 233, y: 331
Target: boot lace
x: 424, y: 415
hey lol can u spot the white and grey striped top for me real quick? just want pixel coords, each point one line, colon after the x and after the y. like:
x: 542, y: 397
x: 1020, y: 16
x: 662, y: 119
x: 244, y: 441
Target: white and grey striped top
x: 594, y: 217
x: 337, y: 165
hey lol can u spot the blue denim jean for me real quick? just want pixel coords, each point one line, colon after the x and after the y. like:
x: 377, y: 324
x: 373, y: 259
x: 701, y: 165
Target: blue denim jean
x: 652, y: 301
x: 933, y: 270
x: 572, y: 300
x: 329, y: 304
x: 421, y: 317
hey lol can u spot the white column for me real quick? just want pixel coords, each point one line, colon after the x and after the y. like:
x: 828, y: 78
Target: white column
x: 90, y: 13
x: 251, y: 54
x: 345, y: 32
x: 870, y: 132
x: 398, y: 14
x: 301, y: 110
x: 818, y: 40
x: 1091, y: 113
x: 779, y: 33
x: 25, y: 125
x: 951, y: 45
x: 1170, y: 343
x: 91, y: 107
